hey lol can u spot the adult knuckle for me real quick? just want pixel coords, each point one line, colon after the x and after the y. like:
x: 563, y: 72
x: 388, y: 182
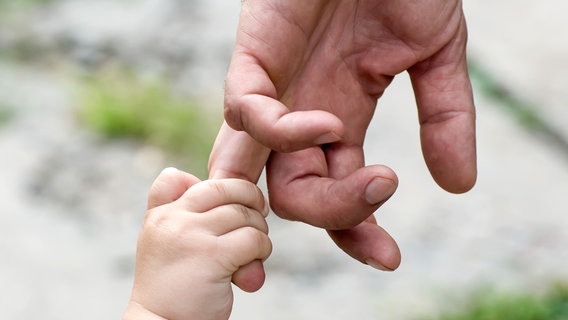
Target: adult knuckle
x: 232, y: 111
x: 285, y: 145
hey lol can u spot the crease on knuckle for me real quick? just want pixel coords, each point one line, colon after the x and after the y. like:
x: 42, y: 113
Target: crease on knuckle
x: 218, y: 187
x: 245, y: 213
x: 236, y: 111
x: 257, y: 238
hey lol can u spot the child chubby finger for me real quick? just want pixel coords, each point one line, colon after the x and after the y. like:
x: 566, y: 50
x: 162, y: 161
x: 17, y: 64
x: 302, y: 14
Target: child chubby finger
x: 208, y: 194
x: 229, y: 217
x: 169, y: 186
x: 245, y: 245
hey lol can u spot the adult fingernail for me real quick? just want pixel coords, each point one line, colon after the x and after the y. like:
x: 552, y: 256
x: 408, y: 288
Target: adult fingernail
x: 375, y: 264
x: 379, y: 190
x: 327, y: 138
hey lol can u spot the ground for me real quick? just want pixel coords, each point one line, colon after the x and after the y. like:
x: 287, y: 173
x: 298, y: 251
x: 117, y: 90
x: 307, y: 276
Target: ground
x: 71, y: 204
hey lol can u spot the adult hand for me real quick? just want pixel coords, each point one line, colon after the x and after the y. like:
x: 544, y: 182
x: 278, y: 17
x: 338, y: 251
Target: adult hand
x: 329, y: 61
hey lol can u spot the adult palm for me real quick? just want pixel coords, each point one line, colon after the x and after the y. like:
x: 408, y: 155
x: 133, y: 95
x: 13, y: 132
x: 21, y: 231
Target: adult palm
x: 329, y: 61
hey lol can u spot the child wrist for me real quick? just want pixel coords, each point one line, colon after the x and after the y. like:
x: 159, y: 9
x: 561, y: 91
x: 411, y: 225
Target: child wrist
x: 136, y: 311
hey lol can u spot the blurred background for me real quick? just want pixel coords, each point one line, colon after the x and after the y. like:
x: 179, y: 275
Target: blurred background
x: 97, y: 97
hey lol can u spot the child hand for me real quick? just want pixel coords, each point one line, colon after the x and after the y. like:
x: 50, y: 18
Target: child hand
x: 195, y: 235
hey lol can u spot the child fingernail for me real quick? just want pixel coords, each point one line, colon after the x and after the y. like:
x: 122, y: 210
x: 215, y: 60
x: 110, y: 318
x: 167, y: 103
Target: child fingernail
x: 266, y: 209
x: 169, y: 170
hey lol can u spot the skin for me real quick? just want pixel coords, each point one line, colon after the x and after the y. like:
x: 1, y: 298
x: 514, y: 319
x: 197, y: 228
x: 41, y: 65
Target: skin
x: 304, y: 81
x: 194, y: 237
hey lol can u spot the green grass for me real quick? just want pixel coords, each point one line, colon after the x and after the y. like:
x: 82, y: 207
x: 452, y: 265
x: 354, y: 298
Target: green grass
x: 552, y: 305
x: 523, y: 111
x: 7, y: 6
x: 120, y: 105
x: 23, y: 3
x: 6, y: 114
